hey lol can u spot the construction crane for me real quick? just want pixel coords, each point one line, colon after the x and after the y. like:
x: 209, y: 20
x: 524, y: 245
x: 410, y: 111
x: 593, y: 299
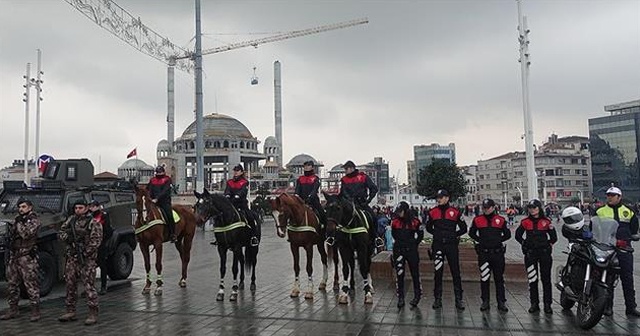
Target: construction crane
x: 119, y: 22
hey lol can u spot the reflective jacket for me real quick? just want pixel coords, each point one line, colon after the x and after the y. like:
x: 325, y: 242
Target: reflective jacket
x: 307, y: 186
x: 490, y: 231
x: 445, y: 223
x: 359, y: 187
x: 540, y: 234
x: 627, y: 220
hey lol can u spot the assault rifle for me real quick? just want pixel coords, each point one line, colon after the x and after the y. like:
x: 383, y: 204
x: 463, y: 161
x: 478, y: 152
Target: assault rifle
x: 77, y: 245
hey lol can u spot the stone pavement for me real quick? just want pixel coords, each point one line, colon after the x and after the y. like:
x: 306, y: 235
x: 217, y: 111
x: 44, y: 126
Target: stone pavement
x: 270, y: 311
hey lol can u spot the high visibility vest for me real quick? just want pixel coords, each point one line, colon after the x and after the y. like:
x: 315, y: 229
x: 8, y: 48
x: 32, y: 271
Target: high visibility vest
x: 624, y: 214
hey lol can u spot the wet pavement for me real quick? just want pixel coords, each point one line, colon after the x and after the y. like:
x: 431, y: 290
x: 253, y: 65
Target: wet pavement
x: 270, y: 310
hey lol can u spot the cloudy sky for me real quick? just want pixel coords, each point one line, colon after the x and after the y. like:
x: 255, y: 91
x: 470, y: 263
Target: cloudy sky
x: 419, y: 72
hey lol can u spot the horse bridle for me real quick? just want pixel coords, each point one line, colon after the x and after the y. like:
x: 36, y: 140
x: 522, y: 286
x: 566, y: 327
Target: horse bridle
x: 209, y: 215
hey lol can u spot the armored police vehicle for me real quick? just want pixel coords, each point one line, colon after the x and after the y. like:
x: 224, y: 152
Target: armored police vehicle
x: 63, y: 183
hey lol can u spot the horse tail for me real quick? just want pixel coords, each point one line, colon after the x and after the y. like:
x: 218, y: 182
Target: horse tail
x: 251, y: 257
x: 330, y: 253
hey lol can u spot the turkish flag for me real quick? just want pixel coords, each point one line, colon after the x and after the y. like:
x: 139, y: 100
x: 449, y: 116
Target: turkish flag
x: 134, y: 152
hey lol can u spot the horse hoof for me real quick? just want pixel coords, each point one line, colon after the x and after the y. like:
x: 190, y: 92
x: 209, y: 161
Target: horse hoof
x: 371, y: 290
x: 233, y: 297
x: 323, y: 286
x: 252, y: 287
x: 182, y: 283
x: 158, y: 292
x: 343, y: 299
x: 295, y: 293
x: 241, y: 286
x: 308, y: 296
x: 220, y: 297
x: 352, y: 292
x: 146, y: 291
x: 336, y: 286
x: 368, y: 299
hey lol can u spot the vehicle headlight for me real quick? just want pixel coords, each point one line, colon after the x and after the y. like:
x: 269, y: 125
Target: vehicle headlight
x: 601, y: 255
x: 4, y: 227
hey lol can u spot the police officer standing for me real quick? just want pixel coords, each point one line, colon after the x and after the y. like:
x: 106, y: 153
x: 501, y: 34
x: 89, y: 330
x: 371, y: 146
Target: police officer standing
x: 537, y: 247
x: 23, y: 262
x: 627, y: 228
x: 307, y: 187
x: 236, y: 191
x: 490, y: 231
x: 407, y: 234
x: 159, y: 188
x: 83, y: 235
x: 102, y: 217
x: 446, y: 225
x: 358, y: 187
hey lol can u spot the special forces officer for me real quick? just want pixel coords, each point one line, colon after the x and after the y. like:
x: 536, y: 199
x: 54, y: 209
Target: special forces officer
x: 83, y: 235
x: 537, y: 247
x: 627, y: 231
x: 23, y: 262
x: 446, y: 225
x: 490, y: 231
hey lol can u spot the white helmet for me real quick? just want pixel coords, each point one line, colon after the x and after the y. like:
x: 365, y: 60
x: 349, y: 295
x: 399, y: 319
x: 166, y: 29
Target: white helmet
x: 573, y: 218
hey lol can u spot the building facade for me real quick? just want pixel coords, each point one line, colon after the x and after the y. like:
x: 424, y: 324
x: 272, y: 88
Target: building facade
x: 424, y: 155
x: 615, y: 146
x: 470, y: 176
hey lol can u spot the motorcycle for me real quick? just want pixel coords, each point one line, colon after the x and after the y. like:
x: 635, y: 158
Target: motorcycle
x: 591, y: 273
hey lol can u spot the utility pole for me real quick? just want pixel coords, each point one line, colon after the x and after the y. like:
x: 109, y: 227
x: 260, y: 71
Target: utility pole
x: 199, y: 185
x: 27, y: 87
x: 523, y: 39
x: 38, y: 85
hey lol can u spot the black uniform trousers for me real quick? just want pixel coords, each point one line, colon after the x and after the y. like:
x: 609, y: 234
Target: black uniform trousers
x: 400, y: 257
x: 449, y: 251
x: 538, y: 265
x: 168, y: 214
x: 491, y: 261
x: 626, y: 278
x: 250, y: 218
x: 314, y: 202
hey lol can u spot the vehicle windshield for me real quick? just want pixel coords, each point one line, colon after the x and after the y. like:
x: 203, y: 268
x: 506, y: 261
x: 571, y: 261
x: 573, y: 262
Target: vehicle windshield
x: 43, y: 201
x: 604, y: 230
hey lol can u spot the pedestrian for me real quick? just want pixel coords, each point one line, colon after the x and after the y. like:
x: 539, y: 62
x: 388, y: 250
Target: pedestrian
x: 22, y: 267
x: 407, y: 234
x: 627, y: 230
x: 490, y: 232
x: 103, y: 218
x: 83, y: 235
x: 446, y: 225
x: 236, y: 191
x: 159, y: 188
x: 537, y: 248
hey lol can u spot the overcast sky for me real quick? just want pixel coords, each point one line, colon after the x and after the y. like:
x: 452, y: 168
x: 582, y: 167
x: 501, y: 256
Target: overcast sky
x: 419, y: 72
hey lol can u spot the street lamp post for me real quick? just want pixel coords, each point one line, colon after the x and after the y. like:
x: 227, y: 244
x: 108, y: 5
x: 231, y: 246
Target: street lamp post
x: 520, y: 191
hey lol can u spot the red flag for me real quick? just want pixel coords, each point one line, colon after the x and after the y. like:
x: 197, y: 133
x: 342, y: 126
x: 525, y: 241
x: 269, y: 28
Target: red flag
x: 134, y: 152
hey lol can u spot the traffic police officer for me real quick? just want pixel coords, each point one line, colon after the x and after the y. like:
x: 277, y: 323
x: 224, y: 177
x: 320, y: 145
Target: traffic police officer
x: 23, y: 261
x: 537, y: 248
x: 627, y: 228
x: 83, y: 235
x: 236, y: 191
x: 407, y: 235
x: 446, y: 225
x: 490, y: 231
x: 307, y: 187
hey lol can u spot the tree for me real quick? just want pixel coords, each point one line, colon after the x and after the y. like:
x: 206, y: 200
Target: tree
x: 441, y: 174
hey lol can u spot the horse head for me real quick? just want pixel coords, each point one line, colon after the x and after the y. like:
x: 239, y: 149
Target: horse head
x: 213, y: 206
x: 283, y: 212
x: 147, y: 210
x: 339, y: 211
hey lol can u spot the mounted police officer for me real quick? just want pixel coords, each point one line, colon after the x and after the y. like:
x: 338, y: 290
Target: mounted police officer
x: 23, y: 261
x: 307, y: 187
x: 446, y: 225
x: 627, y: 228
x: 537, y: 247
x: 103, y: 218
x: 160, y: 192
x: 407, y: 235
x: 236, y: 191
x: 490, y: 231
x: 358, y: 187
x: 83, y: 235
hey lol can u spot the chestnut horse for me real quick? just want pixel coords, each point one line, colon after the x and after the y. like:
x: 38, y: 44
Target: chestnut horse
x: 295, y: 219
x: 151, y: 231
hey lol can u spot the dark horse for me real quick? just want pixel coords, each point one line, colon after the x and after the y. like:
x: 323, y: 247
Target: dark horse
x: 232, y: 233
x: 151, y: 231
x: 352, y: 237
x: 299, y: 222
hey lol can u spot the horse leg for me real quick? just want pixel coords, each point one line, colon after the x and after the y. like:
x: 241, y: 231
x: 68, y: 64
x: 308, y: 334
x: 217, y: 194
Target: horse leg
x: 159, y: 281
x: 364, y: 261
x: 241, y: 262
x: 295, y: 251
x: 336, y: 272
x: 352, y: 272
x: 309, y: 292
x: 237, y: 255
x: 325, y: 272
x: 144, y: 248
x: 185, y: 257
x: 222, y: 252
x: 252, y: 287
x: 346, y: 255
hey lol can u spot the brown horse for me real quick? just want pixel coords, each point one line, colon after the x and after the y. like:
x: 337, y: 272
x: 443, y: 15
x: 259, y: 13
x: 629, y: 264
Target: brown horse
x: 294, y: 218
x: 151, y: 231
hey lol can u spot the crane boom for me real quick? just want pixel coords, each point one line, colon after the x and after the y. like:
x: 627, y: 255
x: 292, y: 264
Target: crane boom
x: 116, y: 20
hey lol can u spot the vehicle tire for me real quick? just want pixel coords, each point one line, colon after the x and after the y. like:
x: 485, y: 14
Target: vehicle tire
x: 590, y: 313
x: 120, y: 263
x: 47, y: 275
x: 566, y: 302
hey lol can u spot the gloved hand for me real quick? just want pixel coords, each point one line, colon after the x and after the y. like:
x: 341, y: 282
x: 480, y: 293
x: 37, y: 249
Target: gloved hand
x: 227, y: 196
x: 236, y: 196
x: 587, y: 235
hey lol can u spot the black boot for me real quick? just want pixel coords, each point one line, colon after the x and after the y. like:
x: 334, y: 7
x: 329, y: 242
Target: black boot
x: 608, y: 311
x: 502, y: 307
x: 534, y: 308
x: 547, y: 309
x: 401, y: 302
x: 414, y: 302
x: 437, y: 303
x: 485, y: 306
x: 103, y: 289
x: 632, y: 312
x: 460, y: 304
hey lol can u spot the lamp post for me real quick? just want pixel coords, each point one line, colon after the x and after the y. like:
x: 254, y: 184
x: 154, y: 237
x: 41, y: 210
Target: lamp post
x: 520, y: 191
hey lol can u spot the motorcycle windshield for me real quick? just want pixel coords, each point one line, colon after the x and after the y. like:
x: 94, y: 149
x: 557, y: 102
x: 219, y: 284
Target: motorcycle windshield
x: 604, y: 230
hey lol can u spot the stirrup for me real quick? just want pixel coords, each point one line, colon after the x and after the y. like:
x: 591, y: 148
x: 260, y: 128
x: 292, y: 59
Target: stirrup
x: 254, y: 241
x: 379, y: 242
x: 330, y: 241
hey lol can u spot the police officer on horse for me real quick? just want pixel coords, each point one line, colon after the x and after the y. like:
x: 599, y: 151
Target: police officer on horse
x: 307, y: 187
x: 236, y: 191
x: 160, y: 192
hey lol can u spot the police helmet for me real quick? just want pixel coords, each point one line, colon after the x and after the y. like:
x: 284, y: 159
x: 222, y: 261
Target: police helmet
x: 24, y: 201
x: 308, y: 163
x: 535, y: 203
x: 573, y: 218
x: 160, y: 170
x: 402, y: 206
x: 238, y: 167
x: 349, y: 164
